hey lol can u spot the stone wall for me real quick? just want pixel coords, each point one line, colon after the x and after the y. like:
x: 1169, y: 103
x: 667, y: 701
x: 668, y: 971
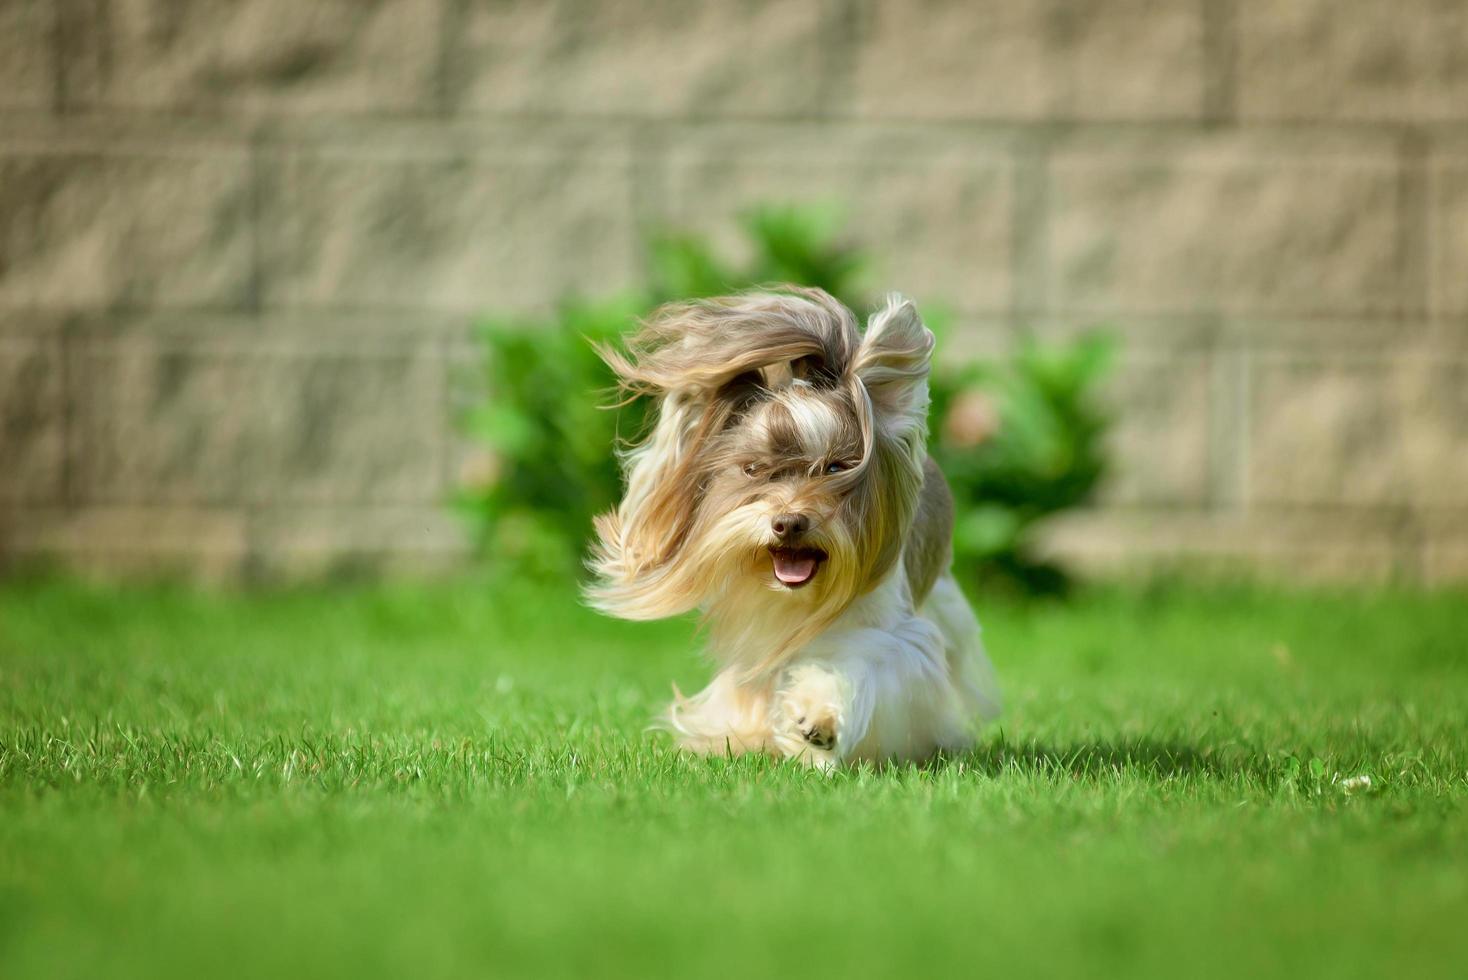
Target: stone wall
x: 242, y: 243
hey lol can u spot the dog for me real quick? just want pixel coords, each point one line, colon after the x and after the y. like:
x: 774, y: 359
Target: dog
x: 784, y: 489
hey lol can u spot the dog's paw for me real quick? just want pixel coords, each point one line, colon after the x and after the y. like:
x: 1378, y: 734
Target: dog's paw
x: 808, y: 716
x: 819, y: 732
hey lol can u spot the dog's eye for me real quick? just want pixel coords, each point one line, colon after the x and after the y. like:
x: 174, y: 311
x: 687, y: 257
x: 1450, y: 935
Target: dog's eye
x: 837, y: 466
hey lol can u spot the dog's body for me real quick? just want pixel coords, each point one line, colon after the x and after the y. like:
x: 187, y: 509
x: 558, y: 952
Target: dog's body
x: 785, y: 490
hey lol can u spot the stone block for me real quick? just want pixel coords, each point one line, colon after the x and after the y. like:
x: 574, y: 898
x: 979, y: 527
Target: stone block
x: 453, y: 231
x: 129, y: 541
x: 277, y: 56
x: 307, y: 542
x: 32, y: 421
x: 212, y: 423
x: 1445, y: 549
x: 1448, y: 248
x: 666, y: 58
x: 1291, y: 548
x: 124, y: 227
x: 27, y: 54
x: 1353, y: 59
x: 935, y: 213
x: 1225, y: 227
x: 1159, y: 444
x: 1360, y: 431
x: 963, y: 338
x: 1429, y: 398
x: 950, y: 59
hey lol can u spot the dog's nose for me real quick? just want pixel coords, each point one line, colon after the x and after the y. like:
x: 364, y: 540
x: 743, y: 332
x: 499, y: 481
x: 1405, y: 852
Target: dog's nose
x: 787, y: 527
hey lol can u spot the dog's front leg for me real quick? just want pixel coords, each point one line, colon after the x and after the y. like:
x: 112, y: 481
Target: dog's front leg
x: 821, y: 712
x: 726, y: 718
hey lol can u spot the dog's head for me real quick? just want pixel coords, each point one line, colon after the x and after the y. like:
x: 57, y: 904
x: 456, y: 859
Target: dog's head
x: 784, y: 464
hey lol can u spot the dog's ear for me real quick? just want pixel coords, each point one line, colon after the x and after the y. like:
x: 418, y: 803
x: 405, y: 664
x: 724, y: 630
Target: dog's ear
x: 892, y: 364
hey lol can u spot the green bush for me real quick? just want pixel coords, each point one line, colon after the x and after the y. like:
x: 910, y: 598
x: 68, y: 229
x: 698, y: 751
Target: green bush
x: 1019, y: 440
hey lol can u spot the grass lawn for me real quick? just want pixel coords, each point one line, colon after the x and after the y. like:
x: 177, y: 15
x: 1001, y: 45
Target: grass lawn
x: 453, y: 780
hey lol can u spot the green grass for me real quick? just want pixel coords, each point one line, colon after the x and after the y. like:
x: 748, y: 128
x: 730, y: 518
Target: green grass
x: 454, y: 780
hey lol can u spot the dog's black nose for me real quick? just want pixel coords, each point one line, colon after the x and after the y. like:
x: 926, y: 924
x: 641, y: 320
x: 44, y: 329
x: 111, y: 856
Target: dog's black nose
x: 788, y: 527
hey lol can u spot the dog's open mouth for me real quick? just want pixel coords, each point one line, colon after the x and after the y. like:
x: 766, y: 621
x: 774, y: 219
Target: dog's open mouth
x: 795, y: 567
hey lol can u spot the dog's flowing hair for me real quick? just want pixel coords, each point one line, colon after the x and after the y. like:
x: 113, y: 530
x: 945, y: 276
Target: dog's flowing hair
x: 784, y: 490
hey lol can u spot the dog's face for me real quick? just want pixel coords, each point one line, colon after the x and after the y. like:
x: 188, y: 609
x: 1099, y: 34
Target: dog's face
x: 785, y: 463
x: 779, y: 495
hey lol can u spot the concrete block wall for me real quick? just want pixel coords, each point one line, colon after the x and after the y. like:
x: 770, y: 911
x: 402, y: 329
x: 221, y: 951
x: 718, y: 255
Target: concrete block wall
x: 242, y: 243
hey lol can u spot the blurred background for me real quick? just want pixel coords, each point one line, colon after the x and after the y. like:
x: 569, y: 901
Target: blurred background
x: 288, y: 289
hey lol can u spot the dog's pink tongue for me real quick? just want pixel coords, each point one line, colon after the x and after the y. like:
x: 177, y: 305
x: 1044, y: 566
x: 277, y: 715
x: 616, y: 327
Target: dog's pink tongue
x: 793, y: 570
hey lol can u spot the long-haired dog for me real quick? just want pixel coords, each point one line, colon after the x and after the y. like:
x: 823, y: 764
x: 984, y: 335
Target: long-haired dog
x: 785, y: 490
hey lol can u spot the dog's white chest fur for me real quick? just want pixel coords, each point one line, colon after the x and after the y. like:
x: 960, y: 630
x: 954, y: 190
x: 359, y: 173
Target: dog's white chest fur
x: 883, y: 682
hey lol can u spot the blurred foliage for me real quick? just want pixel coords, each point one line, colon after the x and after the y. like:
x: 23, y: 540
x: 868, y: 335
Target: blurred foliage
x: 1019, y: 440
